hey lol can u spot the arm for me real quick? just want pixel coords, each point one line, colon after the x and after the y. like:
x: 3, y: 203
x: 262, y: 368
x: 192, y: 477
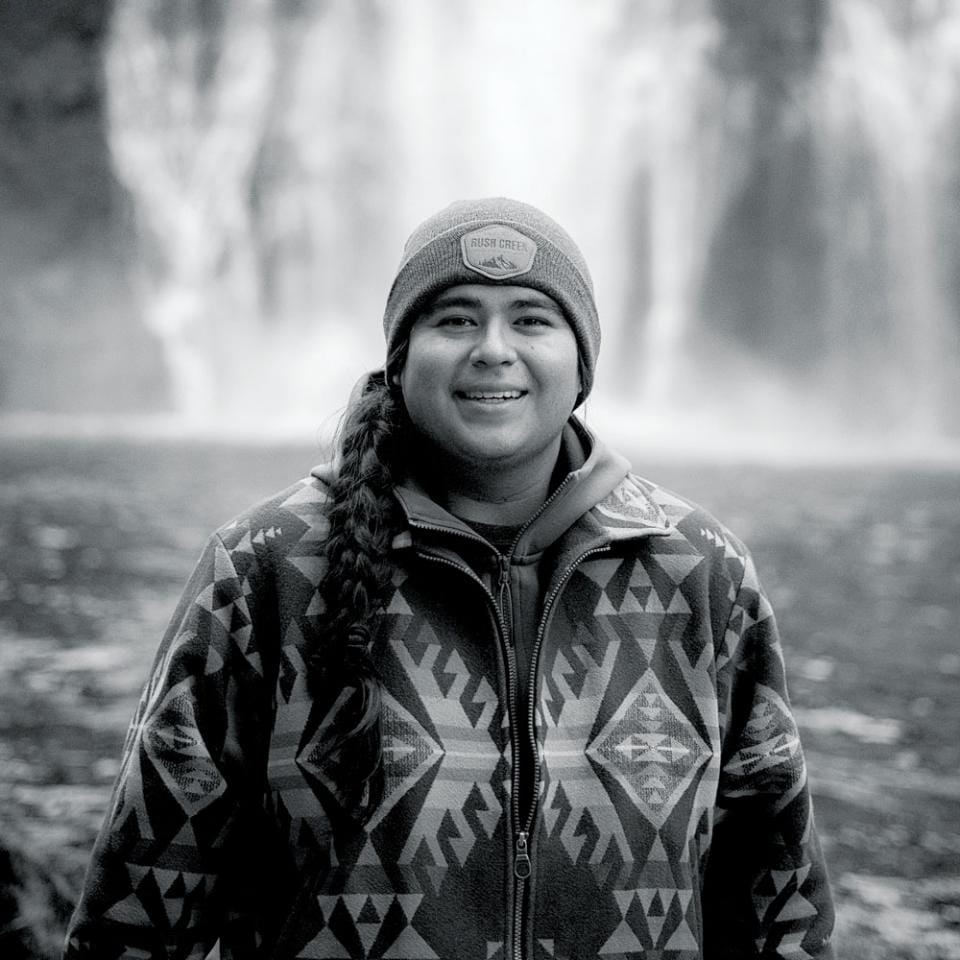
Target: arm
x: 766, y: 891
x: 193, y: 761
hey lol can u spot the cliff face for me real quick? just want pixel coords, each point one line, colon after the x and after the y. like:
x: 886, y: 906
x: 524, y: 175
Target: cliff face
x: 70, y: 335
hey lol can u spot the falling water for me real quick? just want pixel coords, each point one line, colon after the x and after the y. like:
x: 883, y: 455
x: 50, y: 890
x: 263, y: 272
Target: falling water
x: 669, y: 129
x: 189, y: 89
x: 887, y: 92
x: 766, y: 201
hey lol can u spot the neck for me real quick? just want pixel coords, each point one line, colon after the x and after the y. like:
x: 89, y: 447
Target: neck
x: 497, y: 494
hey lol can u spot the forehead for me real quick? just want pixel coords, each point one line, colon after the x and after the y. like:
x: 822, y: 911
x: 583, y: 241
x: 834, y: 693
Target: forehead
x: 487, y: 296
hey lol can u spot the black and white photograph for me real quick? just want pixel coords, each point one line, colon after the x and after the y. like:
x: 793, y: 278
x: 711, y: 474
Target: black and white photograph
x: 480, y: 481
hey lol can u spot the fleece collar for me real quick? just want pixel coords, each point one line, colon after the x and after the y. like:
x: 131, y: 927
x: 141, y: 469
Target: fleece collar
x: 598, y: 483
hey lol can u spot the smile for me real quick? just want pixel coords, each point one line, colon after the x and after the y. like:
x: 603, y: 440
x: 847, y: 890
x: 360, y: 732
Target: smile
x: 490, y: 396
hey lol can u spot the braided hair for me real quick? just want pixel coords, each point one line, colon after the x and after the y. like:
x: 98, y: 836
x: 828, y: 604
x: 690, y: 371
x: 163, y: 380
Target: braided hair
x: 364, y: 518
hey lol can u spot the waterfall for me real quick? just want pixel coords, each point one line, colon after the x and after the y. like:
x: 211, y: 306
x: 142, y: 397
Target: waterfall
x: 187, y: 96
x: 766, y: 197
x: 670, y: 128
x: 887, y: 92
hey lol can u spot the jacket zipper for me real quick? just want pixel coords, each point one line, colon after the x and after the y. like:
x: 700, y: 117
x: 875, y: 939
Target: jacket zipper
x: 506, y: 636
x: 534, y: 657
x: 522, y: 868
x: 503, y: 591
x: 522, y: 865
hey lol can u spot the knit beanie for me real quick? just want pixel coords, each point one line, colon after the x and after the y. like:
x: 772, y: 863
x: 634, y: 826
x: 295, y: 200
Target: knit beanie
x: 494, y: 240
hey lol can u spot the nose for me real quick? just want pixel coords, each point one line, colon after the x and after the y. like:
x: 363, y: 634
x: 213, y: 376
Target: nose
x: 494, y: 345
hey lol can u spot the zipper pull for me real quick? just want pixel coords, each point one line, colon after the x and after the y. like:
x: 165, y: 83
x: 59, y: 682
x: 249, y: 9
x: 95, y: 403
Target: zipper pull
x: 503, y: 591
x: 521, y: 865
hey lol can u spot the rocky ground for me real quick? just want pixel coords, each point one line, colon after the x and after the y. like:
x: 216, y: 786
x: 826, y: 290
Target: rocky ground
x: 863, y: 565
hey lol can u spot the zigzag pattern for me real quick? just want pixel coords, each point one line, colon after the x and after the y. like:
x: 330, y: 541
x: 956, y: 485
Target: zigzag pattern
x: 662, y: 657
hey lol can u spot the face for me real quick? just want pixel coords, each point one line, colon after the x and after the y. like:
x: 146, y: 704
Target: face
x: 491, y: 374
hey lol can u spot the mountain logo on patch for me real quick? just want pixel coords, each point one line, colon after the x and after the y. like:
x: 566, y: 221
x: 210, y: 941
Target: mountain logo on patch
x: 497, y: 252
x: 498, y: 263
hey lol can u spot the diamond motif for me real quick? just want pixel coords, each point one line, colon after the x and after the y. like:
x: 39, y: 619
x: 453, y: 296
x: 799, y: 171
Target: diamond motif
x: 770, y: 753
x: 174, y: 745
x: 651, y: 749
x: 409, y: 752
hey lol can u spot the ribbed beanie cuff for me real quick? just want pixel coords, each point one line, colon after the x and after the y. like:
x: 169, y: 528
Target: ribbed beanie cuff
x: 473, y: 241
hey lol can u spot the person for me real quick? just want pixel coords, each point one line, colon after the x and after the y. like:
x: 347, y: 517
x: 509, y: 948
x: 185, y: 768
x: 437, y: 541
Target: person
x: 474, y: 690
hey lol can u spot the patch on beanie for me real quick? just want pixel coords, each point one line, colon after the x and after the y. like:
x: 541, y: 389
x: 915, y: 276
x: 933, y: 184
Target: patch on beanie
x: 498, y: 252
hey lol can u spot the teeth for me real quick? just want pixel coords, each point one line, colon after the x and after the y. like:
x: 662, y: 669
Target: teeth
x: 500, y: 395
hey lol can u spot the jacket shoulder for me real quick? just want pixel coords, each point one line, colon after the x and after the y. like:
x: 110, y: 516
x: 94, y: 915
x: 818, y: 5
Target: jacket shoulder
x: 691, y: 526
x: 294, y: 514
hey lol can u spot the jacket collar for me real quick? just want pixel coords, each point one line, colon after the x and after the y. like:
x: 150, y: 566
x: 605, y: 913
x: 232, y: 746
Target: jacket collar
x: 598, y: 484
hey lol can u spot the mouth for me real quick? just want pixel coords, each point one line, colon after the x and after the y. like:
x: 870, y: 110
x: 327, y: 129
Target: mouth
x: 490, y: 396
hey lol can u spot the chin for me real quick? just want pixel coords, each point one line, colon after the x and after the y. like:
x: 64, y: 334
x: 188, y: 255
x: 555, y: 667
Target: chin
x: 487, y: 453
x: 492, y: 448
x: 477, y: 451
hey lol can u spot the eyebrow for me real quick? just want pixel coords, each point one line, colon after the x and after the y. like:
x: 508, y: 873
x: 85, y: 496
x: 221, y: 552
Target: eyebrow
x: 535, y: 301
x: 520, y: 303
x: 453, y: 301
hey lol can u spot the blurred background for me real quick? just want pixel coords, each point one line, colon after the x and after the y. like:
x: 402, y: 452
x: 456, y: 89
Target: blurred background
x: 202, y: 205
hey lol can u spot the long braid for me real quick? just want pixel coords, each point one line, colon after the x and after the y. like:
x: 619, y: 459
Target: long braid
x: 364, y: 518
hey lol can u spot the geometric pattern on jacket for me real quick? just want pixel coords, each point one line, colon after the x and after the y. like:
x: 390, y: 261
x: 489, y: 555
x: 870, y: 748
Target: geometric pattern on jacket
x: 674, y: 815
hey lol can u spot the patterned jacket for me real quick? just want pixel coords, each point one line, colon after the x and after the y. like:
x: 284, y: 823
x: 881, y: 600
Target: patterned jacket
x: 640, y: 792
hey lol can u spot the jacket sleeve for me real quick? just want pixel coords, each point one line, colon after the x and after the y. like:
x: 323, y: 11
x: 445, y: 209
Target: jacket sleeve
x: 191, y: 768
x: 766, y: 892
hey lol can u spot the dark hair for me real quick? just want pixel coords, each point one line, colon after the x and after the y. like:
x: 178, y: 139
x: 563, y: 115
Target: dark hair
x: 364, y: 518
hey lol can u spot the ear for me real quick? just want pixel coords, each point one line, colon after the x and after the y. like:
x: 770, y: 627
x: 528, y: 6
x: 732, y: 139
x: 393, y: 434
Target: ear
x: 579, y: 399
x: 395, y: 363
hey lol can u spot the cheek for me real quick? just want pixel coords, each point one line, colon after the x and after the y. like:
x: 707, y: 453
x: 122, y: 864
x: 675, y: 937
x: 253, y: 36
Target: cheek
x: 423, y: 380
x: 564, y: 373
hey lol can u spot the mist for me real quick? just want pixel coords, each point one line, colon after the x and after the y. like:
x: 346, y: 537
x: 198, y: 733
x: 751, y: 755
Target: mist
x: 206, y: 204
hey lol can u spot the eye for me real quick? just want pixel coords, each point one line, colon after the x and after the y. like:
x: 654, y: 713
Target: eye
x: 534, y: 320
x: 453, y: 320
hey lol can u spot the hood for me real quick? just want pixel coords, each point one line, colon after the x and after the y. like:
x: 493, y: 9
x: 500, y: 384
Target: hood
x: 597, y: 483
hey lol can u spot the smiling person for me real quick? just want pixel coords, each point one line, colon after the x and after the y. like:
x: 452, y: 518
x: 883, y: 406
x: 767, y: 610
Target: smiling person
x: 474, y: 690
